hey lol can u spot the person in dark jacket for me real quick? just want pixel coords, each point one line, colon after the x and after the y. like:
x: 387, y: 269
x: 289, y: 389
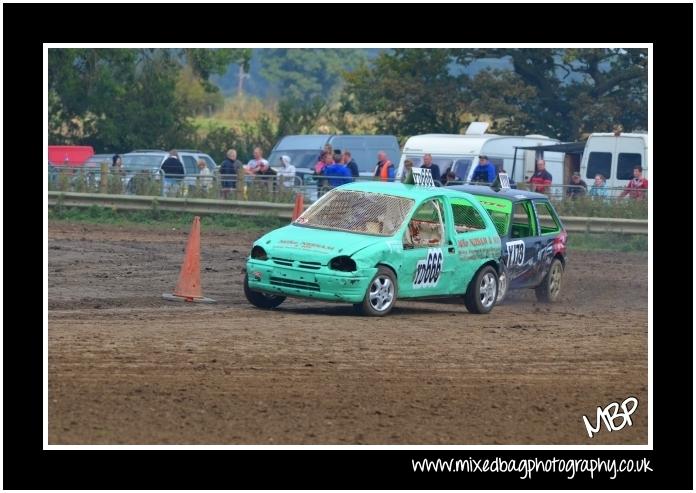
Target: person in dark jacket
x: 577, y: 187
x: 434, y: 168
x: 228, y: 171
x: 172, y: 167
x: 351, y: 164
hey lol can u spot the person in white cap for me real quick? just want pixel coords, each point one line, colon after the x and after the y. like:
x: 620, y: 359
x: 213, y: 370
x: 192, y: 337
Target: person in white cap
x: 287, y: 171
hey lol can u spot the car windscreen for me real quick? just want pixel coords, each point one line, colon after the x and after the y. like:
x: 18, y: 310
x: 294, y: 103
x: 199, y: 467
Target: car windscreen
x: 299, y: 158
x: 499, y: 209
x: 141, y: 162
x: 358, y: 212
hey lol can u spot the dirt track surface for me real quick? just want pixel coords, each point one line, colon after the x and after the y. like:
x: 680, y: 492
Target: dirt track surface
x: 127, y: 367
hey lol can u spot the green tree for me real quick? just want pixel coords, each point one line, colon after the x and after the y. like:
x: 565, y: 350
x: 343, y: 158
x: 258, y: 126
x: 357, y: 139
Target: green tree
x: 304, y: 74
x: 120, y: 99
x: 410, y: 91
x: 562, y: 92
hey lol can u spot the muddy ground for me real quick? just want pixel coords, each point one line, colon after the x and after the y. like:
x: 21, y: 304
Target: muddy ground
x: 126, y: 367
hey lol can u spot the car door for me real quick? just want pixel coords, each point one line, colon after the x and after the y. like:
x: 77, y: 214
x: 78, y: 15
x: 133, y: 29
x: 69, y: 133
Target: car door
x: 427, y: 263
x: 522, y: 248
x: 191, y: 168
x: 552, y: 236
x: 474, y: 242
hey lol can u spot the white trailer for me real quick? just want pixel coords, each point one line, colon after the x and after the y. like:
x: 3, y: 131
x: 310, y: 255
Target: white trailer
x: 461, y: 152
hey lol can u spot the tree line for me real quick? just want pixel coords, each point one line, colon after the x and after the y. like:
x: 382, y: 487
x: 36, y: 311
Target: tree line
x: 121, y: 99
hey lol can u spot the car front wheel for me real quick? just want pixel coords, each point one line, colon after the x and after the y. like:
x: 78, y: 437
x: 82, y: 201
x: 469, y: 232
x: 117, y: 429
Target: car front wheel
x: 482, y: 292
x: 381, y: 294
x: 259, y: 299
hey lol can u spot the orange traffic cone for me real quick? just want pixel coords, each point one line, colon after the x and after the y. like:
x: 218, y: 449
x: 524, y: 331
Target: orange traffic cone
x: 189, y: 286
x: 299, y: 206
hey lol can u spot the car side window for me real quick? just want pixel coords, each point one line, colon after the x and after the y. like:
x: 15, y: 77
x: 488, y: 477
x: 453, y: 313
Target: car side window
x: 548, y: 221
x: 523, y: 223
x: 425, y: 228
x: 190, y: 164
x: 209, y: 162
x: 466, y: 217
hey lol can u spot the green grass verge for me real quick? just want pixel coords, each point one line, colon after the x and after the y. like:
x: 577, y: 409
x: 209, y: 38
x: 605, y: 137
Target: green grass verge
x: 608, y: 241
x: 163, y: 219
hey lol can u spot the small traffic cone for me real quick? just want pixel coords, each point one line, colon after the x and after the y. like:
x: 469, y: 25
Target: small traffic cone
x: 189, y: 286
x: 299, y: 206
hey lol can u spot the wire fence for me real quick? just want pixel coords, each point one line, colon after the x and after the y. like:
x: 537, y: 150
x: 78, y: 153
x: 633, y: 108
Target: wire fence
x: 567, y: 199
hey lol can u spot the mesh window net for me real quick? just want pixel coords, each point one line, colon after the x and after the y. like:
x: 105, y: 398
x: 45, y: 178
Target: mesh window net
x: 358, y: 212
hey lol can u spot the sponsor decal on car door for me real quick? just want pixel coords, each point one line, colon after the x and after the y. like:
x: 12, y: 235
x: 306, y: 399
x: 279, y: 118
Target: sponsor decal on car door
x: 429, y: 270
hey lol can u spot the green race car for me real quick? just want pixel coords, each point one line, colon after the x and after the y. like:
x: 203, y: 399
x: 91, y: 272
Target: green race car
x: 369, y: 243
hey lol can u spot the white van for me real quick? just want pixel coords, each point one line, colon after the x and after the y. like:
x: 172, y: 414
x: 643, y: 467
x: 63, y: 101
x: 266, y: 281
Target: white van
x: 614, y: 156
x: 462, y: 152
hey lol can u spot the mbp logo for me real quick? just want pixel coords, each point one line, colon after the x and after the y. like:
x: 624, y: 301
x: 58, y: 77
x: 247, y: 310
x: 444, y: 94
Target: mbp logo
x: 609, y: 414
x: 428, y: 270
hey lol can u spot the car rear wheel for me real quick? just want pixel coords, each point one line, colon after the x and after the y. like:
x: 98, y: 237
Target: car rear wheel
x: 550, y: 288
x: 259, y: 299
x: 482, y: 292
x: 381, y: 294
x: 503, y: 281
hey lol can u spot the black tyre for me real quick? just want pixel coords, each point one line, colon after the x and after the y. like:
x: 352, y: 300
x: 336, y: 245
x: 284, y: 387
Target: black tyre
x: 503, y: 284
x: 259, y: 299
x: 550, y: 288
x: 482, y: 292
x: 381, y: 294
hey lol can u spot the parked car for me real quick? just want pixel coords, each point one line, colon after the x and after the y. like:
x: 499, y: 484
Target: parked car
x: 533, y: 240
x: 151, y: 160
x: 369, y: 243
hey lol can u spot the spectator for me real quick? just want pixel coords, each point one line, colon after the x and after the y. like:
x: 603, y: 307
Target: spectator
x: 321, y: 164
x: 577, y: 187
x: 541, y: 179
x: 253, y: 165
x: 599, y: 188
x: 638, y: 186
x: 204, y: 176
x: 263, y: 169
x: 325, y: 161
x: 117, y: 166
x: 484, y: 171
x: 264, y: 176
x: 434, y: 168
x: 384, y: 169
x: 228, y: 171
x: 448, y: 176
x: 351, y: 164
x: 172, y: 166
x: 408, y: 169
x: 339, y: 171
x: 287, y: 171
